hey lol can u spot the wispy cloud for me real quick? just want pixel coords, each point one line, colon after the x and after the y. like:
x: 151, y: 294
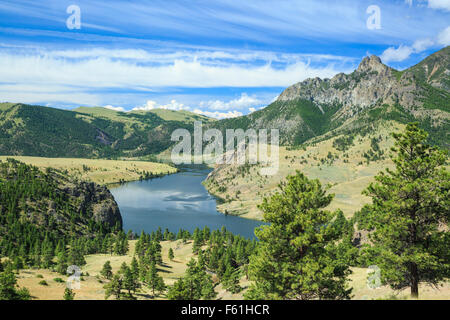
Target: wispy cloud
x: 439, y: 4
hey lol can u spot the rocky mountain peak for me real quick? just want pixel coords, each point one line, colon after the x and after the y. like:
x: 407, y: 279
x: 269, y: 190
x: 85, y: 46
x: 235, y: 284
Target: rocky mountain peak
x: 372, y: 63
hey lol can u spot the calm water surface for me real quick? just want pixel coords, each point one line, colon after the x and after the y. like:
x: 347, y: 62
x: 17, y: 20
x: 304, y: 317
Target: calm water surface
x: 175, y: 201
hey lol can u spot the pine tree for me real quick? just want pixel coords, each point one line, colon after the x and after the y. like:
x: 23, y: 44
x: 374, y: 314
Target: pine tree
x: 69, y: 294
x: 195, y: 285
x: 410, y: 206
x: 296, y: 257
x: 155, y: 281
x: 129, y: 282
x: 114, y: 287
x: 107, y: 270
x: 171, y: 255
x: 61, y: 266
x: 8, y: 286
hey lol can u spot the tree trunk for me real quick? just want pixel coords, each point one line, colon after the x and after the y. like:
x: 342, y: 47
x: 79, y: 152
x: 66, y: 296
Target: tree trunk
x: 414, y: 281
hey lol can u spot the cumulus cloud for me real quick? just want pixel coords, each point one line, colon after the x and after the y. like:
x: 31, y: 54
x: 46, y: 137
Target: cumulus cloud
x: 252, y: 110
x: 396, y: 54
x: 243, y: 102
x: 403, y: 52
x: 172, y: 105
x: 218, y: 114
x: 439, y: 4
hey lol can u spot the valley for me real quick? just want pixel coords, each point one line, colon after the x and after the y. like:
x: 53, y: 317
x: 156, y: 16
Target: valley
x: 74, y: 181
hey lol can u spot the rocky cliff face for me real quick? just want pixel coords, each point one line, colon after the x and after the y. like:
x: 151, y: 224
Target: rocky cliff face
x: 372, y: 83
x: 97, y: 200
x: 346, y: 102
x: 55, y: 202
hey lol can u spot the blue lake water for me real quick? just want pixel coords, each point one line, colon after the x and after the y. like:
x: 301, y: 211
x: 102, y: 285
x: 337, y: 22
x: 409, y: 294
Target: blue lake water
x: 175, y: 201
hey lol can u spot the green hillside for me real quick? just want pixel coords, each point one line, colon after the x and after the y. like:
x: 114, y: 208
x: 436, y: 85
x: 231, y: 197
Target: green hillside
x: 324, y: 108
x: 87, y: 132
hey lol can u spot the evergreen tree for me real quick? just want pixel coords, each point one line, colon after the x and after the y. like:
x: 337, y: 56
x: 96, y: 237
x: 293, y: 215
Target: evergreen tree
x: 114, y: 287
x: 171, y: 255
x: 195, y: 285
x: 69, y: 294
x: 8, y: 286
x: 410, y: 206
x: 155, y: 281
x: 107, y: 270
x: 296, y: 258
x: 129, y: 283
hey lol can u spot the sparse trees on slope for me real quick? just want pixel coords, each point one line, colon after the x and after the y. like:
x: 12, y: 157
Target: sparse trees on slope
x: 195, y: 285
x: 409, y: 211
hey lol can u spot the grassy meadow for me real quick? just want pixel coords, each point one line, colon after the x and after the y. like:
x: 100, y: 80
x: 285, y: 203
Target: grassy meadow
x: 98, y: 170
x: 91, y: 286
x: 242, y: 188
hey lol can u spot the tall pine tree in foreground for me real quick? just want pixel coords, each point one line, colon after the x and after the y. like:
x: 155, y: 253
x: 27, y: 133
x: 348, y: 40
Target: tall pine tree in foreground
x: 297, y: 256
x: 409, y: 214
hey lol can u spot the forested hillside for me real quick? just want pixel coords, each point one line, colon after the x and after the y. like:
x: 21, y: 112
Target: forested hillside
x: 87, y: 132
x: 45, y: 208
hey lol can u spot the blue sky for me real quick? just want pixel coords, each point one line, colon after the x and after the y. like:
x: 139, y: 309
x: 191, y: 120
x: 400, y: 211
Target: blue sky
x: 219, y: 58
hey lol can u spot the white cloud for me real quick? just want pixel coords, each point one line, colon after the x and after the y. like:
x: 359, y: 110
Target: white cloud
x: 104, y: 72
x: 444, y: 37
x: 243, y: 102
x: 252, y: 110
x: 396, y: 54
x: 422, y: 45
x: 219, y: 115
x: 403, y: 52
x: 114, y: 108
x: 172, y: 105
x: 439, y: 4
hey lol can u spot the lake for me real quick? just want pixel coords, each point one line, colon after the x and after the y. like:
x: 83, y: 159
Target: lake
x: 175, y: 201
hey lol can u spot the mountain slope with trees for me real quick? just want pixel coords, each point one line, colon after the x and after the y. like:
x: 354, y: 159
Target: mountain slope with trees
x: 88, y: 132
x: 372, y: 93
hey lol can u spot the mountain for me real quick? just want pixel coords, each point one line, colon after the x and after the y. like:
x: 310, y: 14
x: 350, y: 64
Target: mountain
x: 348, y: 102
x: 314, y: 109
x: 88, y: 132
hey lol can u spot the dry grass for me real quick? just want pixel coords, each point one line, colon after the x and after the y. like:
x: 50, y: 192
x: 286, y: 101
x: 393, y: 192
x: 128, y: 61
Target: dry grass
x: 92, y: 289
x: 98, y: 170
x: 348, y: 176
x: 361, y: 291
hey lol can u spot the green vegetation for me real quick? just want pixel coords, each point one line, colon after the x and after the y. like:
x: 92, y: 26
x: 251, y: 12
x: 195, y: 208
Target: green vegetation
x: 8, y: 285
x: 69, y: 294
x: 410, y: 206
x: 86, y: 132
x: 298, y: 256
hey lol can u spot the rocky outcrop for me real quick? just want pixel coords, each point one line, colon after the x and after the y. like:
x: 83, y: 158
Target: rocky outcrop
x: 372, y: 83
x: 96, y: 200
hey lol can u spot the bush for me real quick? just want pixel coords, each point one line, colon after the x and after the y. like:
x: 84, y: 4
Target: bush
x: 59, y: 280
x: 43, y: 283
